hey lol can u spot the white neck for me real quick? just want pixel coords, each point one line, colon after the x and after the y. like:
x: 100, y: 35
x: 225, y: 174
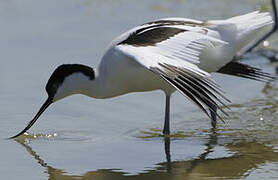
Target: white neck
x: 99, y: 87
x: 95, y: 88
x: 78, y: 83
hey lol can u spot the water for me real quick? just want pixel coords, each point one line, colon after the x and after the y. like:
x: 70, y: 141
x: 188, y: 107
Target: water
x: 119, y: 138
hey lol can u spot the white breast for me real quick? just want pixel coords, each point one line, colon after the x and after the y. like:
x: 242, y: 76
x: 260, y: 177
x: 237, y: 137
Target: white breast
x: 121, y: 75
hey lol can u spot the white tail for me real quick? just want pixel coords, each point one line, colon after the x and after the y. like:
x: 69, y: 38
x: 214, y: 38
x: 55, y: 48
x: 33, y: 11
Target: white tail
x: 248, y: 25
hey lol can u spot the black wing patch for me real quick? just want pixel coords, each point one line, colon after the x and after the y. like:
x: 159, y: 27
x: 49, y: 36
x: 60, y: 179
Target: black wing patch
x: 176, y: 22
x: 246, y: 71
x: 158, y: 31
x: 151, y: 35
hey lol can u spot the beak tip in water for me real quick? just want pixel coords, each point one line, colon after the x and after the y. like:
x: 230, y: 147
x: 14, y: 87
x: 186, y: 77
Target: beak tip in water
x: 30, y: 124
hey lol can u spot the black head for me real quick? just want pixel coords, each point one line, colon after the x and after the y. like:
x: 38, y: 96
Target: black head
x: 63, y: 71
x: 54, y: 83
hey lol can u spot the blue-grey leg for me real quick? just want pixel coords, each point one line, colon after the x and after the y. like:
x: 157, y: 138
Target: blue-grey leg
x: 274, y: 28
x: 166, y: 129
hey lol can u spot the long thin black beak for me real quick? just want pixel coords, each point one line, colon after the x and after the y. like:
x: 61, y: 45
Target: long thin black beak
x: 30, y: 124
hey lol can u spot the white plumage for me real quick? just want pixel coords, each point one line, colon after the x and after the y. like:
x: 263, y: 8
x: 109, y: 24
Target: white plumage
x: 203, y: 47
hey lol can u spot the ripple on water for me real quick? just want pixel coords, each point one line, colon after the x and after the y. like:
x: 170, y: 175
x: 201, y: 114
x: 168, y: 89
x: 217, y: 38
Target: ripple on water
x: 56, y: 136
x: 256, y: 118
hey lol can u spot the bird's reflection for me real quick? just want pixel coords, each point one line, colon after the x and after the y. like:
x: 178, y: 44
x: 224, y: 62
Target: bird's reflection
x: 167, y: 146
x: 211, y: 143
x: 248, y: 156
x: 54, y: 173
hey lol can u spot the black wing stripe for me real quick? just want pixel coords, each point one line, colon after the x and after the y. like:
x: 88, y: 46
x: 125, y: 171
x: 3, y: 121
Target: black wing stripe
x: 205, y: 85
x: 204, y: 98
x: 151, y: 35
x: 178, y: 22
x: 185, y: 93
x: 205, y: 94
x: 158, y: 31
x: 195, y: 87
x: 208, y: 83
x: 197, y: 98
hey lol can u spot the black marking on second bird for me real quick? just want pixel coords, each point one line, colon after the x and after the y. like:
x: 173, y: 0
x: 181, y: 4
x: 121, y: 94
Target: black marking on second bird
x: 151, y: 35
x: 63, y: 71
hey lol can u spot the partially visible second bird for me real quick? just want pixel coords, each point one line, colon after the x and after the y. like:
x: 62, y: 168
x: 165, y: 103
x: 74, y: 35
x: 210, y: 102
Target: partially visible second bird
x: 167, y: 54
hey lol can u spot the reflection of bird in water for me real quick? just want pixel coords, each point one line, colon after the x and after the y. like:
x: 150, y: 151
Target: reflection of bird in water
x: 244, y: 156
x: 167, y: 54
x: 212, y: 141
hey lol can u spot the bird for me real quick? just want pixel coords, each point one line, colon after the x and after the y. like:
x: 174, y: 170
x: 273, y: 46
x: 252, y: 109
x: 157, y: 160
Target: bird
x: 169, y: 54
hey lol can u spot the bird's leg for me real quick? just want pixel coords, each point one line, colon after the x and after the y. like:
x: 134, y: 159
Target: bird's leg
x: 274, y: 28
x: 213, y: 116
x: 166, y: 129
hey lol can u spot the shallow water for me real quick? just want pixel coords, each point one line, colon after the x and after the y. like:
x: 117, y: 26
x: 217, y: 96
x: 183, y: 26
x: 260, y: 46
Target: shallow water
x: 119, y: 138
